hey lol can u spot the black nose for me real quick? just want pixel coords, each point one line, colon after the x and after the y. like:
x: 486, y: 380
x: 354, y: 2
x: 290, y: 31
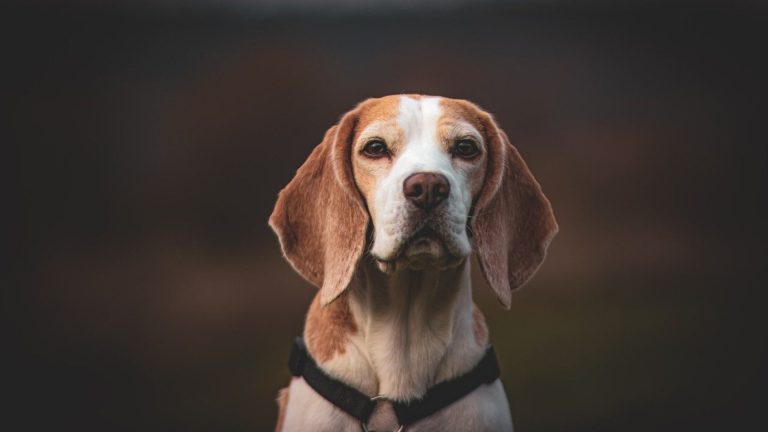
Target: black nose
x: 426, y: 190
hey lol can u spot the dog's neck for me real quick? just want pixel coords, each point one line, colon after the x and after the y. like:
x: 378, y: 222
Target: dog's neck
x: 402, y: 332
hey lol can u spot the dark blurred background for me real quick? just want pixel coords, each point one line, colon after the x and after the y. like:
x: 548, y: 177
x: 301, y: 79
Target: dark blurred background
x: 144, y: 291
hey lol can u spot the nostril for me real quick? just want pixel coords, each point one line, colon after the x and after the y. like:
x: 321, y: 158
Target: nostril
x: 414, y: 191
x: 441, y: 191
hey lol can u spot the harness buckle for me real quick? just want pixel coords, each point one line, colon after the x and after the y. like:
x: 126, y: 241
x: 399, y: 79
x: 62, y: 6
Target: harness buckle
x: 376, y: 399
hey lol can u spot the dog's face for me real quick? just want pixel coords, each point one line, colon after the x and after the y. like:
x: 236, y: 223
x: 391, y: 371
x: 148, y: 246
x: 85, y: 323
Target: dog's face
x: 424, y: 173
x: 419, y: 163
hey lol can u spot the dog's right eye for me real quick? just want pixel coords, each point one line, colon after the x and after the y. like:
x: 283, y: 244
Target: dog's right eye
x: 375, y: 149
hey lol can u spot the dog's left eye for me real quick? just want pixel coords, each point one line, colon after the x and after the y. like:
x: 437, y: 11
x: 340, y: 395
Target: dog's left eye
x: 375, y: 149
x: 465, y: 149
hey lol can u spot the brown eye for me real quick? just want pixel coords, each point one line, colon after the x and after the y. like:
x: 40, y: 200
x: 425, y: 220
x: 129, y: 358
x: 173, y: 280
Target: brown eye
x: 465, y: 149
x: 375, y: 149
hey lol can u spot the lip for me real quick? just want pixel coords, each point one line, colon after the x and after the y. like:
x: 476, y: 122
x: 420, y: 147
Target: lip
x: 422, y: 236
x: 426, y: 243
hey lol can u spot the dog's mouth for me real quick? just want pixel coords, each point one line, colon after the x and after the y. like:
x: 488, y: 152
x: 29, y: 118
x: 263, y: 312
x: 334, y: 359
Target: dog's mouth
x: 425, y: 241
x: 424, y: 248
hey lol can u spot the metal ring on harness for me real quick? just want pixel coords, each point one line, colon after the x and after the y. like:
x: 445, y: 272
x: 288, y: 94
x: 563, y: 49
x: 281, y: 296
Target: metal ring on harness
x: 376, y: 399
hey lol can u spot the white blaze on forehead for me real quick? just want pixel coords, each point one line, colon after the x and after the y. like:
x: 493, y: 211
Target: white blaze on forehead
x: 418, y: 119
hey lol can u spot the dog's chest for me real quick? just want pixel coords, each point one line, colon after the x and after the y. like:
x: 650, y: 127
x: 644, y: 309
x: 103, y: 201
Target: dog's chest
x: 484, y: 410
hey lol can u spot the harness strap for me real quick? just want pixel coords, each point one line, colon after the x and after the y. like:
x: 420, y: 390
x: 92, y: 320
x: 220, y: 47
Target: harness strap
x: 445, y: 393
x: 343, y: 396
x: 360, y: 406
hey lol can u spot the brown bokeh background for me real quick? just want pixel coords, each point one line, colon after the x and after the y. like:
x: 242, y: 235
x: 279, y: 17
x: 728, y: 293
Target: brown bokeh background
x: 144, y: 290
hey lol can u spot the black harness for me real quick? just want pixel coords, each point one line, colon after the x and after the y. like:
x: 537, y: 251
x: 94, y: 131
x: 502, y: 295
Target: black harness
x: 361, y: 407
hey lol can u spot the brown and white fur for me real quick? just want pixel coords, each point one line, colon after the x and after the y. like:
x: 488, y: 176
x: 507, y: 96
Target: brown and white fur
x: 394, y: 314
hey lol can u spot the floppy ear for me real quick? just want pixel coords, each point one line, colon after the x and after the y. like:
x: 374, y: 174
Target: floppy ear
x: 513, y: 222
x: 320, y: 218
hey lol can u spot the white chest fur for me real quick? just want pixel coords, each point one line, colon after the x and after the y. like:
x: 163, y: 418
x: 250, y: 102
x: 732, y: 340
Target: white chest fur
x: 414, y: 329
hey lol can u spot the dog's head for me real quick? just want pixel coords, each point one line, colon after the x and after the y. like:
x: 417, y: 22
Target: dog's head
x: 433, y: 178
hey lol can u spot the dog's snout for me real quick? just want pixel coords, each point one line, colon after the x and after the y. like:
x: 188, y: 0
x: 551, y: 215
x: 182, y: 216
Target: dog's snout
x: 426, y: 190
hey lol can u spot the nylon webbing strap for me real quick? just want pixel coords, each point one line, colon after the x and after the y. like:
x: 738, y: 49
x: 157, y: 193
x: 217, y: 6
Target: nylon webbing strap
x: 361, y: 406
x: 343, y: 396
x: 445, y: 393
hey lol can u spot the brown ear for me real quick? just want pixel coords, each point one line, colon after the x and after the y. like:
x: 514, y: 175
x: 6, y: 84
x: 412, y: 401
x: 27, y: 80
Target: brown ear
x: 513, y: 222
x: 319, y: 217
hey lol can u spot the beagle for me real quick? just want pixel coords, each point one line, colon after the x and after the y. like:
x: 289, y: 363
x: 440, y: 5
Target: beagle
x: 383, y: 217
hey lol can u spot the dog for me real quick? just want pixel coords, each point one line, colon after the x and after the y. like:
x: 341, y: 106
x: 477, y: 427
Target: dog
x: 383, y: 217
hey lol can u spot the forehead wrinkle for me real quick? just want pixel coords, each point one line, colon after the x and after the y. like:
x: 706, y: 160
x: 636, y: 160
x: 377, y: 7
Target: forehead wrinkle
x: 387, y: 129
x: 453, y: 128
